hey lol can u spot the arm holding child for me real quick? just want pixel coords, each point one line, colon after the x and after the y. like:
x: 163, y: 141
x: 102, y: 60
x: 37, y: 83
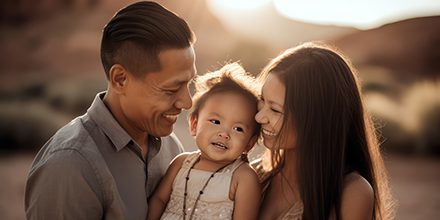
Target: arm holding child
x: 161, y: 196
x: 247, y: 193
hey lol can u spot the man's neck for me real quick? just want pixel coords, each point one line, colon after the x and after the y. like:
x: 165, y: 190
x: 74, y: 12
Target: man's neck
x: 112, y: 103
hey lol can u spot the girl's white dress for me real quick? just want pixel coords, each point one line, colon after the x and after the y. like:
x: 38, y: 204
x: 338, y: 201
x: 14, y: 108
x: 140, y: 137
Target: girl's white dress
x: 214, y: 203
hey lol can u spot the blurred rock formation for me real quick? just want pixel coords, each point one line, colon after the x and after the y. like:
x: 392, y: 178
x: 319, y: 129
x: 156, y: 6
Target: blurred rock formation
x: 50, y: 67
x: 400, y: 67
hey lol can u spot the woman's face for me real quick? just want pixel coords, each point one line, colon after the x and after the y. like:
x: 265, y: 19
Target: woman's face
x: 271, y: 114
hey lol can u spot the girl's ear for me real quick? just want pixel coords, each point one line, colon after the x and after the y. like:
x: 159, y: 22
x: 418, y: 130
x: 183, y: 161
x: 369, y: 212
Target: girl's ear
x: 118, y: 78
x: 251, y: 144
x: 193, y: 125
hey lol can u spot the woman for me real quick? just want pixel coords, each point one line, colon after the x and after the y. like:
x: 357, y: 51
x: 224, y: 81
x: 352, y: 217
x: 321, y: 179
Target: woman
x: 323, y: 159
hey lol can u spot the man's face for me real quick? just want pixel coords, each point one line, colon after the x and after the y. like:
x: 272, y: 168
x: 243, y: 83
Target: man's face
x: 152, y: 105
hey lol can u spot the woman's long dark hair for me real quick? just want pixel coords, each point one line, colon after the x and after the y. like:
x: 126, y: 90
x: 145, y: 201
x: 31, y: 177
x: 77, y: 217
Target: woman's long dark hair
x: 336, y: 135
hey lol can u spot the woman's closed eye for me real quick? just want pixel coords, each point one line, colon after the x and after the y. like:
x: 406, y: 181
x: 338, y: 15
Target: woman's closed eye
x: 276, y: 111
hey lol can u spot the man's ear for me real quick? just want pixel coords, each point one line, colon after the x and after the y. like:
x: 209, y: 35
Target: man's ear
x: 193, y: 125
x: 251, y: 144
x: 118, y: 76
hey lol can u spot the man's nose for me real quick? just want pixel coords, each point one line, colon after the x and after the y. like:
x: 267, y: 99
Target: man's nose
x: 184, y: 101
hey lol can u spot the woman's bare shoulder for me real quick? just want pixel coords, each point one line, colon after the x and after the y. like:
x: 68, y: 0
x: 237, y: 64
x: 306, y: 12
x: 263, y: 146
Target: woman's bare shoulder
x: 356, y: 183
x: 357, y: 197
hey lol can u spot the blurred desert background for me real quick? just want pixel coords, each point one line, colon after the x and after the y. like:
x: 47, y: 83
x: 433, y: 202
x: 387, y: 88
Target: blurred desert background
x: 50, y: 71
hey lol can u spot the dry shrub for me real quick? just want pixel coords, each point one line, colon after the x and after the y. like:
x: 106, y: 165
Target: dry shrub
x: 411, y: 124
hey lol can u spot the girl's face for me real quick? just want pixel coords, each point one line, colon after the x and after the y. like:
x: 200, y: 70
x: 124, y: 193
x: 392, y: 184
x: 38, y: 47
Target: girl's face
x: 271, y: 114
x: 224, y: 127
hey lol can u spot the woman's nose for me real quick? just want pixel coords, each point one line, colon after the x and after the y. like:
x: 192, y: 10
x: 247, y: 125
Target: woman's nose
x: 261, y: 118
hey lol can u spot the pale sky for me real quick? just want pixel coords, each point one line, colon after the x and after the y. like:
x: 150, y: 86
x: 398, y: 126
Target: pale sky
x: 361, y: 14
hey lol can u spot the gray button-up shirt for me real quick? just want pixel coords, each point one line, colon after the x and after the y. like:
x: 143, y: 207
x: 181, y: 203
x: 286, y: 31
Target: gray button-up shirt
x: 92, y: 169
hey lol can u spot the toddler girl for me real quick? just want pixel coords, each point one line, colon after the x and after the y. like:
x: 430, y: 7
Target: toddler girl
x: 217, y: 181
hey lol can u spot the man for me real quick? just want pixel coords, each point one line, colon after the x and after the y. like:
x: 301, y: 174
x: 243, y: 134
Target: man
x: 106, y: 163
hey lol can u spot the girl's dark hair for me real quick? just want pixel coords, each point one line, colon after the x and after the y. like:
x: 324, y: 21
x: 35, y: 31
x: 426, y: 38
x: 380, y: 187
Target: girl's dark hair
x: 336, y: 135
x: 230, y: 78
x: 136, y: 35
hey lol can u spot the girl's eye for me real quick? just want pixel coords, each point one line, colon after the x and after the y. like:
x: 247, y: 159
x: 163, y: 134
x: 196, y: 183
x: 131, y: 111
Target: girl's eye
x: 217, y: 122
x: 239, y: 129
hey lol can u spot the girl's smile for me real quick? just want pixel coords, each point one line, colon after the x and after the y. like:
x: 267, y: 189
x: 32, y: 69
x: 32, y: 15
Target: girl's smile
x: 224, y: 126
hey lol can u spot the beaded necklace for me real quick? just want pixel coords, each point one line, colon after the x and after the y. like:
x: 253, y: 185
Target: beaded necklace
x: 201, y: 191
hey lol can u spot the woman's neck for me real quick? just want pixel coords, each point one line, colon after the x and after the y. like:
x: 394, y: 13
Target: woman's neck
x: 290, y: 162
x: 288, y: 173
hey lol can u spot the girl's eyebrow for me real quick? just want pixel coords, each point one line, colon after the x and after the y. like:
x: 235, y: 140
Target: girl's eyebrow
x: 215, y: 114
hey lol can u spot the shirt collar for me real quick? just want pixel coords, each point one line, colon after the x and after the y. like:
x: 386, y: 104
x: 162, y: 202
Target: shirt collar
x: 100, y: 114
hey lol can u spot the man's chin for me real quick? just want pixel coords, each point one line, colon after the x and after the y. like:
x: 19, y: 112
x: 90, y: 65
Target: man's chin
x: 162, y: 133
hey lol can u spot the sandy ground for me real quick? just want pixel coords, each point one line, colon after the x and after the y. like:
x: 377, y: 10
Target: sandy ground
x: 416, y: 185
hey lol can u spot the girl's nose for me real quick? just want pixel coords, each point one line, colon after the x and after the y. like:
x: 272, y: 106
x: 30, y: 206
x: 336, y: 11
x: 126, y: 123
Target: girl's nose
x: 223, y: 135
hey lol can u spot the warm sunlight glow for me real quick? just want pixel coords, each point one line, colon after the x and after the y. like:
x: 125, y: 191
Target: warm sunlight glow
x: 361, y: 14
x: 240, y: 4
x: 355, y: 13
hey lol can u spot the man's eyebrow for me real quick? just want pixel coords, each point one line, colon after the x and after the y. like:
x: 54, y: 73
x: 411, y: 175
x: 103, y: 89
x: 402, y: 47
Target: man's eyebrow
x: 177, y: 82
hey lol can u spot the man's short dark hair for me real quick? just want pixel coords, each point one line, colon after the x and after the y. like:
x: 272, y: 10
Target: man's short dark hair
x: 136, y: 35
